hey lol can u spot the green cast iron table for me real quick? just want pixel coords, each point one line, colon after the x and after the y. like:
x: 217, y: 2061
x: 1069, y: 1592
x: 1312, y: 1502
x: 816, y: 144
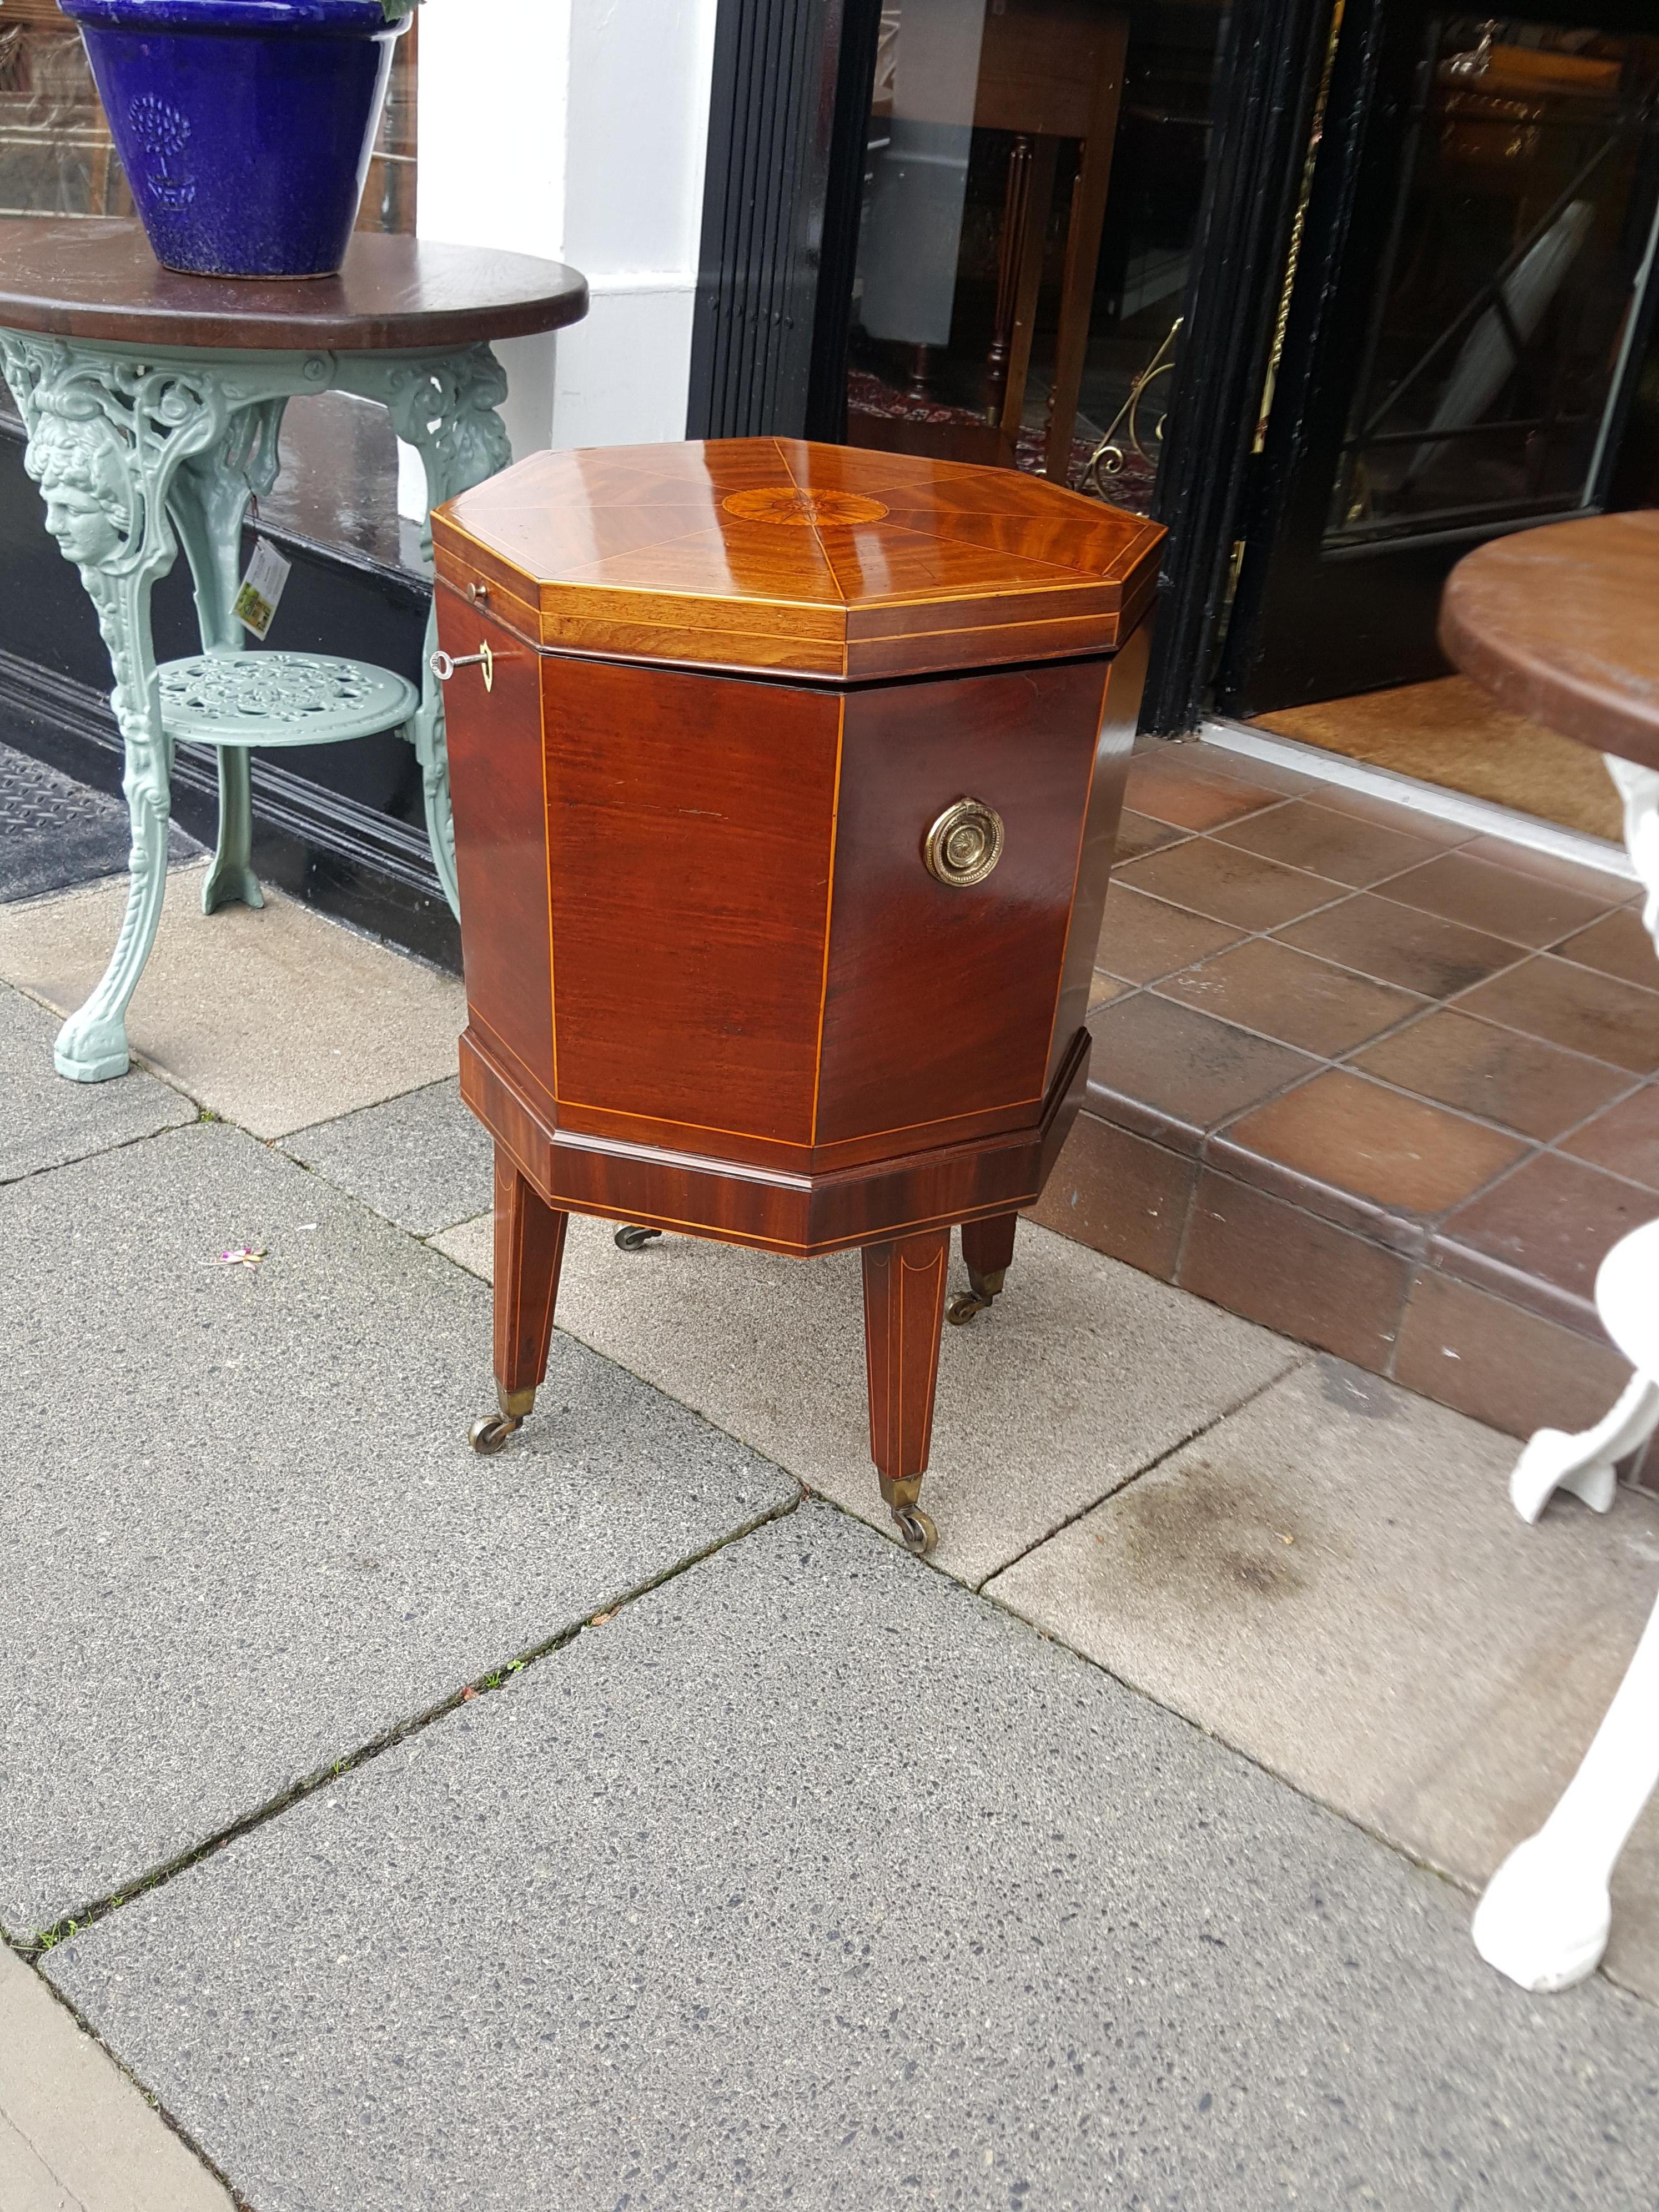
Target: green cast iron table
x: 153, y: 404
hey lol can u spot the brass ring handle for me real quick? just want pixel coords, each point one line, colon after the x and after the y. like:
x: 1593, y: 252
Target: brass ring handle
x: 443, y: 666
x: 965, y: 844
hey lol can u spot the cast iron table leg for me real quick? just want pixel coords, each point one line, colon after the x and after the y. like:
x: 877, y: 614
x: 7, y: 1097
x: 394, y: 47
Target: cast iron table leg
x: 903, y: 1314
x: 108, y: 436
x: 209, y: 502
x: 444, y: 405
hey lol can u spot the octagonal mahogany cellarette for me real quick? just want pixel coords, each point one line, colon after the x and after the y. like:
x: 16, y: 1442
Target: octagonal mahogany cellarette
x: 786, y: 780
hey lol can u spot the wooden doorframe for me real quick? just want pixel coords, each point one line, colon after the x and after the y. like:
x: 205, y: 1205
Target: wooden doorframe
x: 1266, y: 102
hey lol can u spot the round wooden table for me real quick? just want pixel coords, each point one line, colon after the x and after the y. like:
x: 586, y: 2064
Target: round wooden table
x: 1562, y: 624
x: 152, y: 403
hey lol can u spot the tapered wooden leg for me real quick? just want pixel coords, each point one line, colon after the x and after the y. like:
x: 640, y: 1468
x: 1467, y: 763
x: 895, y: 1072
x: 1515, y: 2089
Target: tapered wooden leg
x: 987, y: 1247
x: 903, y: 1313
x: 529, y: 1253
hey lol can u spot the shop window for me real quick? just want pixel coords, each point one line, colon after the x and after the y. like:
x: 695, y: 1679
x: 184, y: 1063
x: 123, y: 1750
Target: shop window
x: 1032, y: 179
x: 56, y: 157
x: 1522, y: 239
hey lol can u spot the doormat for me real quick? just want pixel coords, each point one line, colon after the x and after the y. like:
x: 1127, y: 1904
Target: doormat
x: 1452, y: 733
x: 56, y: 833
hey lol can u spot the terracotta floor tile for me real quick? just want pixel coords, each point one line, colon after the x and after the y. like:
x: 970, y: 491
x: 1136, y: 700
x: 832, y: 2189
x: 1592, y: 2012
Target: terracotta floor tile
x: 1187, y: 1067
x: 1617, y: 945
x: 1228, y: 884
x: 1119, y: 1194
x: 1401, y: 945
x: 1575, y: 1007
x: 1139, y: 833
x: 1304, y: 835
x: 1169, y: 783
x: 1555, y: 1219
x: 1103, y: 988
x: 1142, y: 938
x: 1498, y: 900
x: 1259, y: 1257
x: 1603, y: 884
x: 1624, y: 1139
x: 1489, y: 1358
x: 1496, y: 1072
x: 1395, y: 1151
x: 1291, y: 996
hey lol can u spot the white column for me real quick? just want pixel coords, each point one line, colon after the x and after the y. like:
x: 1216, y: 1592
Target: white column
x: 577, y: 131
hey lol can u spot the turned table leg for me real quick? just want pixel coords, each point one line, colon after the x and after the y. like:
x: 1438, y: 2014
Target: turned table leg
x: 988, y: 1248
x: 529, y: 1254
x: 903, y: 1314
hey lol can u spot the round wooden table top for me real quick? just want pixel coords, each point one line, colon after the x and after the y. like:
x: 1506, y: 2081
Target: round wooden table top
x: 1562, y: 624
x: 77, y: 279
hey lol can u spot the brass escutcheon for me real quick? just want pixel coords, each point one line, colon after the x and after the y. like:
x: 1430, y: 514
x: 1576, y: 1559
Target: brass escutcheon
x: 965, y: 844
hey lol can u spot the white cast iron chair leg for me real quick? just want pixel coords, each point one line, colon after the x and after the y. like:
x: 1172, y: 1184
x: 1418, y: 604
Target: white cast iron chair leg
x: 1545, y: 1917
x: 1586, y: 1464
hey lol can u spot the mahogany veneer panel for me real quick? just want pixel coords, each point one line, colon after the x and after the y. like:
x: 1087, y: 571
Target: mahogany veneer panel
x: 801, y: 1215
x: 984, y: 963
x: 497, y: 791
x: 691, y: 886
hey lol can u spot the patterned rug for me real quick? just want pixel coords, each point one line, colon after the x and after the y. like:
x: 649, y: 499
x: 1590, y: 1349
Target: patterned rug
x: 1132, y: 488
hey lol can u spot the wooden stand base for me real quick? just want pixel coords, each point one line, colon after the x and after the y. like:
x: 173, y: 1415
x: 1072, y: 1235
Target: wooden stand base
x: 904, y: 1306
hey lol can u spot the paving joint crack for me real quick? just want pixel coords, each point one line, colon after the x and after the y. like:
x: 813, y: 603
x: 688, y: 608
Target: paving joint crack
x: 33, y: 1949
x: 169, y: 2119
x: 982, y: 1588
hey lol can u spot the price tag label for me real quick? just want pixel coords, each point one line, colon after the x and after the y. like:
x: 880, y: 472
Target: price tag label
x: 262, y: 589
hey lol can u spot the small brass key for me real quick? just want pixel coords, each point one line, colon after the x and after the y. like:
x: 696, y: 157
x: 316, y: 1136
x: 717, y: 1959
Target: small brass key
x: 443, y: 667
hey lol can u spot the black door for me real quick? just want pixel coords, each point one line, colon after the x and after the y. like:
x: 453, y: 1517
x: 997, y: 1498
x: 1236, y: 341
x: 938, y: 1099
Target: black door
x: 1465, y: 331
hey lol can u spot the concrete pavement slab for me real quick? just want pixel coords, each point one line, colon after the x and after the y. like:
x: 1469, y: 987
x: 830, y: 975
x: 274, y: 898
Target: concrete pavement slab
x: 75, y: 2133
x: 1333, y: 1580
x: 422, y: 1160
x: 1082, y: 1372
x: 275, y: 1020
x: 242, y: 1531
x: 45, y: 1120
x: 812, y: 1880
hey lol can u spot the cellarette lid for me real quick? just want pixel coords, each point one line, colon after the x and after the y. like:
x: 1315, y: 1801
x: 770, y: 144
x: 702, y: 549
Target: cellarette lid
x: 835, y: 563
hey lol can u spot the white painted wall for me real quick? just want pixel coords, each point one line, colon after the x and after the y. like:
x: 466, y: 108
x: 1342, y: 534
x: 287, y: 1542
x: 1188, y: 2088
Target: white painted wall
x: 576, y: 130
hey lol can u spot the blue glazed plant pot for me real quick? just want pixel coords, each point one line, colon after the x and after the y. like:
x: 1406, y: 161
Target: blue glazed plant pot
x: 244, y: 126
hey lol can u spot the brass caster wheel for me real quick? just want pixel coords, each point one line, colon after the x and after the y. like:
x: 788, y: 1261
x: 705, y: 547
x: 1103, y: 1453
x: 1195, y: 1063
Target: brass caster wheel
x: 962, y: 1308
x: 917, y: 1530
x: 636, y: 1240
x: 489, y: 1435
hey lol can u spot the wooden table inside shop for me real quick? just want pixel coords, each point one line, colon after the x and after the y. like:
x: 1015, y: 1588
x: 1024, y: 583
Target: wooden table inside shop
x: 787, y: 778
